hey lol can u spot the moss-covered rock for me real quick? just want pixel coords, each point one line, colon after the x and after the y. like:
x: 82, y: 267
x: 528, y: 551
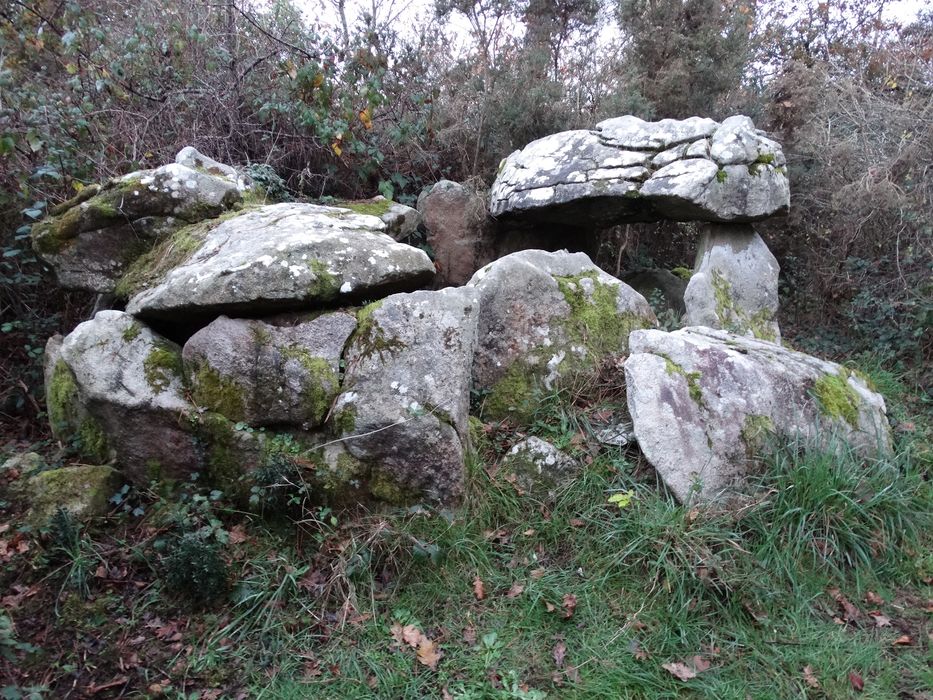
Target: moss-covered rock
x: 116, y: 389
x: 91, y: 240
x: 836, y: 398
x: 544, y: 316
x: 707, y: 405
x: 83, y: 490
x: 281, y: 371
x: 735, y: 285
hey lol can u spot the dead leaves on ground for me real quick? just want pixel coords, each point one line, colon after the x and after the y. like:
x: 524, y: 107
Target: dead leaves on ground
x: 427, y: 651
x: 687, y: 669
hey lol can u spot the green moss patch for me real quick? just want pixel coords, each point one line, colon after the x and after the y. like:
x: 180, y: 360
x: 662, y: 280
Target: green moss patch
x: 92, y: 441
x: 733, y: 318
x: 150, y: 267
x: 692, y: 378
x: 62, y: 399
x: 837, y: 399
x: 321, y: 385
x: 385, y: 488
x: 161, y: 366
x: 82, y: 490
x: 377, y: 208
x: 324, y: 285
x: 513, y: 396
x: 595, y: 321
x: 756, y: 430
x: 211, y: 390
x: 369, y: 336
x: 344, y: 420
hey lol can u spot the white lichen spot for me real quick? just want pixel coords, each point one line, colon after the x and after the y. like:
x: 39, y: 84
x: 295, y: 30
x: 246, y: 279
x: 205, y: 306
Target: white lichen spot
x: 552, y: 367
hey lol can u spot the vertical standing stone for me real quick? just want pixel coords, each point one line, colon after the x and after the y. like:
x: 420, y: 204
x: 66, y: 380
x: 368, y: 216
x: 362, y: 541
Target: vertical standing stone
x: 734, y: 286
x: 459, y: 231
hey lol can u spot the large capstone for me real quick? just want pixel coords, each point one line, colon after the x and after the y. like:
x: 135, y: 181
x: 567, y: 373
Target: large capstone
x: 116, y: 390
x: 543, y: 315
x: 90, y: 241
x: 406, y: 393
x: 734, y: 285
x: 276, y: 372
x: 705, y: 403
x: 282, y: 257
x: 631, y: 170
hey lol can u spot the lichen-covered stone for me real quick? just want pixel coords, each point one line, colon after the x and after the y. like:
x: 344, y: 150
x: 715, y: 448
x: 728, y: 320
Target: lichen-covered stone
x: 284, y: 257
x: 83, y: 490
x: 735, y: 283
x: 538, y: 467
x: 128, y: 382
x: 406, y: 393
x: 400, y: 221
x: 278, y: 371
x: 192, y: 158
x: 631, y: 170
x: 542, y: 315
x: 705, y: 403
x: 91, y: 242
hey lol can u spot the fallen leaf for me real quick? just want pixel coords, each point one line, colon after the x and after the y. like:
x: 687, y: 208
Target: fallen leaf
x: 529, y: 532
x: 576, y: 522
x: 469, y: 635
x: 537, y: 573
x: 850, y: 613
x: 396, y: 631
x: 515, y: 590
x: 856, y: 681
x: 903, y: 640
x: 873, y: 598
x: 559, y: 652
x: 686, y: 670
x: 809, y: 677
x: 549, y: 607
x: 479, y: 590
x: 569, y: 604
x: 880, y: 620
x: 679, y: 670
x: 429, y: 654
x: 411, y: 635
x: 237, y: 534
x: 637, y: 651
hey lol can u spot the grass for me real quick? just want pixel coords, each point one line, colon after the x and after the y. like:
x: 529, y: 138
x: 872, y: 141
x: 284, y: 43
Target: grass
x: 581, y: 598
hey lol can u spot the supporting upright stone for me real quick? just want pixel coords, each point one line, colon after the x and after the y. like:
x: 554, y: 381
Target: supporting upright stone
x: 459, y: 231
x: 734, y: 286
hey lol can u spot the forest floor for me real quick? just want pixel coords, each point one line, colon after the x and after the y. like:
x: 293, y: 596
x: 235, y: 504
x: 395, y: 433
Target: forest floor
x: 821, y: 588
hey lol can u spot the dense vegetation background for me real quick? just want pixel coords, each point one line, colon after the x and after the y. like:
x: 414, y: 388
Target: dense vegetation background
x: 391, y: 101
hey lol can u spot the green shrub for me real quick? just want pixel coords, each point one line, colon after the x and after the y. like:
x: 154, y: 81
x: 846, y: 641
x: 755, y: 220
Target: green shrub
x: 197, y: 571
